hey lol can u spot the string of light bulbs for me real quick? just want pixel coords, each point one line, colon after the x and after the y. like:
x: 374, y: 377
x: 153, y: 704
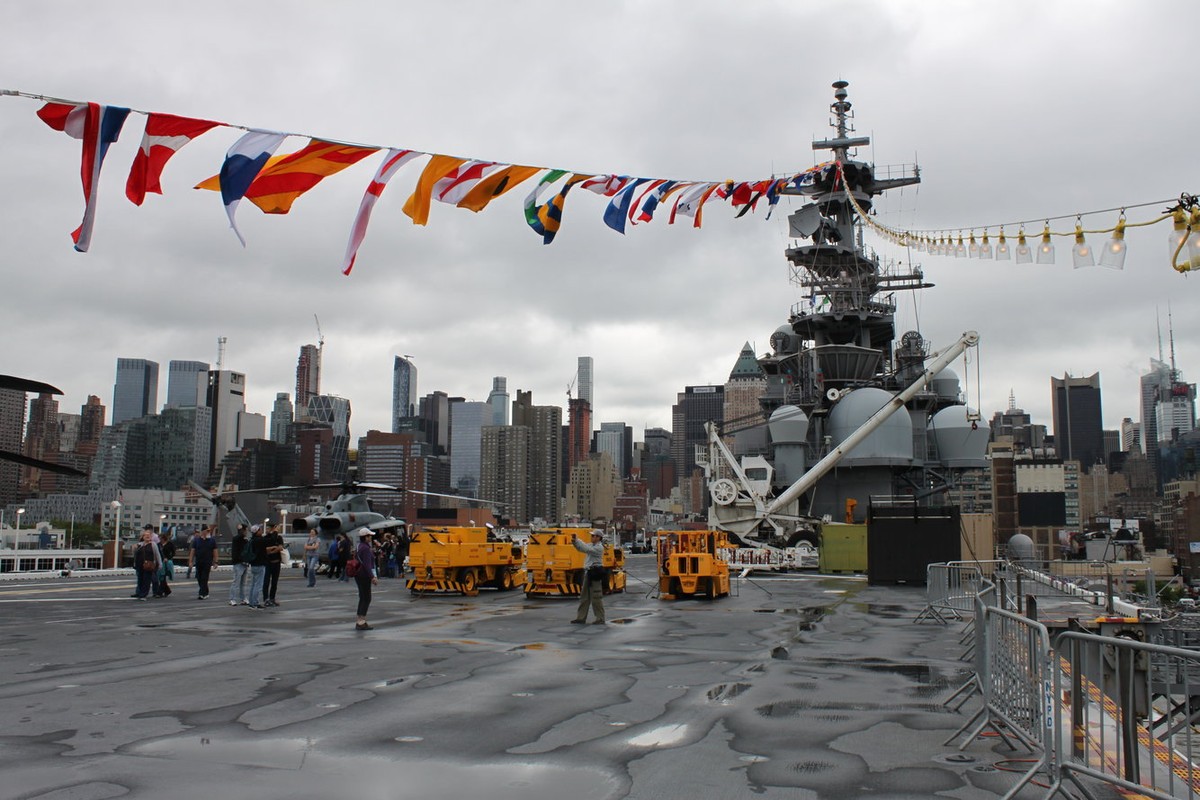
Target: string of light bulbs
x: 1184, y: 214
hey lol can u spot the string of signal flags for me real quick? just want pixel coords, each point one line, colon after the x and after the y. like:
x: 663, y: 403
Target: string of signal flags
x: 273, y: 183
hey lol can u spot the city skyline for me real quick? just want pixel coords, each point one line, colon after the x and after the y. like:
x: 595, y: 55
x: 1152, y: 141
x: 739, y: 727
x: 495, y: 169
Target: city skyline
x: 1126, y: 408
x: 998, y: 138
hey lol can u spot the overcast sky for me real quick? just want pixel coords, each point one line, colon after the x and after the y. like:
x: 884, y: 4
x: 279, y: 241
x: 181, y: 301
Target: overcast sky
x: 1014, y: 111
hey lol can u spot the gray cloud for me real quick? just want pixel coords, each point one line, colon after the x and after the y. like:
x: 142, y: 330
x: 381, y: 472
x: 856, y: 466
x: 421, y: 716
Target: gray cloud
x: 1015, y: 113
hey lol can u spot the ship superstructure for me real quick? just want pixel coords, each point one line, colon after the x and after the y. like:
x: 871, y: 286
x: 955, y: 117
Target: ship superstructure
x: 835, y: 363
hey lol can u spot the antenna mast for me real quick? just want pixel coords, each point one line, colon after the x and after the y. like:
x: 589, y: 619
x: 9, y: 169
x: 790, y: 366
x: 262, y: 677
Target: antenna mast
x: 220, y: 352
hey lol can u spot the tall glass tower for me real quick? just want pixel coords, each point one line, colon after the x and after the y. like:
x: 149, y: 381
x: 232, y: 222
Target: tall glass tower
x: 135, y: 394
x: 404, y: 391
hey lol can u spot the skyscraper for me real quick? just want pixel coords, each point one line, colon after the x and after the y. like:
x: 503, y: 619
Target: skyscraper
x: 308, y: 376
x: 1078, y: 421
x: 404, y: 391
x: 41, y: 442
x: 616, y: 439
x: 694, y: 406
x: 743, y: 413
x: 504, y: 468
x: 586, y: 384
x: 579, y: 432
x: 282, y: 416
x: 12, y: 425
x: 334, y: 412
x: 498, y: 400
x: 135, y: 394
x: 544, y: 484
x: 187, y: 384
x: 466, y: 424
x: 226, y: 397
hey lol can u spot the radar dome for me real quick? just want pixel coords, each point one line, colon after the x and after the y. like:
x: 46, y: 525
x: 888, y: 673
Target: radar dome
x: 889, y: 444
x: 960, y: 441
x: 788, y: 424
x: 1020, y: 547
x: 945, y: 384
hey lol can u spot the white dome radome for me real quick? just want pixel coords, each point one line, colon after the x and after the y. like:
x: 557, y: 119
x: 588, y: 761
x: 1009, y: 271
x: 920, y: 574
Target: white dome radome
x: 889, y: 444
x: 960, y: 441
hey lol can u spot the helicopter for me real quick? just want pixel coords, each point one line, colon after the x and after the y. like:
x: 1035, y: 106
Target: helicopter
x: 27, y: 385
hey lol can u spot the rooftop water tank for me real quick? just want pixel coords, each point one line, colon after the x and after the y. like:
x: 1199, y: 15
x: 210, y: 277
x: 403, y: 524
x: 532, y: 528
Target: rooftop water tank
x: 889, y: 444
x: 960, y: 440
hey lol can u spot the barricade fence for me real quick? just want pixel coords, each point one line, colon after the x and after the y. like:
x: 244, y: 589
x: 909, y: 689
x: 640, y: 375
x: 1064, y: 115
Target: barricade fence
x: 1091, y: 708
x: 1128, y: 715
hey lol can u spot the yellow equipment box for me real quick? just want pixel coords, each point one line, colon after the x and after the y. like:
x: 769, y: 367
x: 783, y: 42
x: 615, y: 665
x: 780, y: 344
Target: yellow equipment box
x: 691, y: 564
x: 555, y: 567
x: 462, y: 560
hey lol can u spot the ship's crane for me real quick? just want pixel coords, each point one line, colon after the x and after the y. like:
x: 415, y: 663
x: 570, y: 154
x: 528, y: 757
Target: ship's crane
x: 742, y: 505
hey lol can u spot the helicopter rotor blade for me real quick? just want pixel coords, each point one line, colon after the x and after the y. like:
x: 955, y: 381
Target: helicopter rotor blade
x: 27, y: 385
x: 45, y: 466
x: 479, y: 500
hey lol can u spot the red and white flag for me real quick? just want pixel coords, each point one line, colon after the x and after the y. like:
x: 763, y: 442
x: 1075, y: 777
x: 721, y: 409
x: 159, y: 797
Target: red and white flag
x: 165, y: 135
x: 392, y: 162
x: 454, y: 187
x: 97, y: 127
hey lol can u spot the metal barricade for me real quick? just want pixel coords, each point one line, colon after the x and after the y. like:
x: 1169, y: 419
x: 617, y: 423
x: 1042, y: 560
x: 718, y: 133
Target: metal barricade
x: 950, y: 591
x: 1128, y: 717
x: 1013, y: 665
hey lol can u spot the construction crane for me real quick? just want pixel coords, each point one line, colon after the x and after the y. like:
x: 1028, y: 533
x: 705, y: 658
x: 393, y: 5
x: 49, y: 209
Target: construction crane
x: 571, y: 386
x: 320, y: 348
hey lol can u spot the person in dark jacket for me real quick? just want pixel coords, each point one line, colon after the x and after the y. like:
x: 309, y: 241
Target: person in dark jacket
x: 365, y: 578
x: 275, y: 547
x: 167, y: 548
x: 146, y: 559
x: 203, y: 558
x: 345, y: 548
x: 335, y: 549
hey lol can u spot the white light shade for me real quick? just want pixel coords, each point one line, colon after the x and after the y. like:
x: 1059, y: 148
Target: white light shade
x: 1113, y: 254
x: 1002, y: 251
x: 973, y: 248
x: 1081, y: 253
x: 1045, y: 251
x: 985, y: 248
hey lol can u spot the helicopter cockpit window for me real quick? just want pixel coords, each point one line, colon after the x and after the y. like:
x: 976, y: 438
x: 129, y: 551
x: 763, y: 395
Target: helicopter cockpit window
x: 369, y: 507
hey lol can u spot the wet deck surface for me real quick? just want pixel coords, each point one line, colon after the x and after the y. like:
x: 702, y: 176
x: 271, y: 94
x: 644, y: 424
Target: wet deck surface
x: 798, y: 687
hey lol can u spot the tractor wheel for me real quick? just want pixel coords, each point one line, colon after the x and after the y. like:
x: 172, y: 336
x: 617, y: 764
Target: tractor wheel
x: 505, y: 582
x: 469, y: 581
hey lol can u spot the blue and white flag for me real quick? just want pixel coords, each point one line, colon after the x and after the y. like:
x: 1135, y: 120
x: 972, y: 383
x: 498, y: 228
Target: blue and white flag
x: 618, y: 208
x: 243, y: 162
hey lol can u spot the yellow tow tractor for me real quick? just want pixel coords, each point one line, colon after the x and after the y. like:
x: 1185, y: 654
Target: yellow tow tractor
x: 555, y: 567
x: 690, y: 564
x: 454, y: 559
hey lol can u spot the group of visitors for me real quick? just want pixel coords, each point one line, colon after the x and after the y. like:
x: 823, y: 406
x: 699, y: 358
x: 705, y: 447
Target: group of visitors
x: 256, y: 555
x: 257, y: 558
x: 389, y: 551
x: 154, y: 562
